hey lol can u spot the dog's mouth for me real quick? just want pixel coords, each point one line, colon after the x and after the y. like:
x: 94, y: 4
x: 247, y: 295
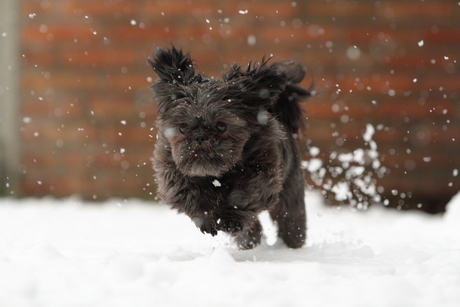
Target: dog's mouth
x: 203, y: 166
x: 204, y: 161
x: 209, y: 157
x: 200, y: 152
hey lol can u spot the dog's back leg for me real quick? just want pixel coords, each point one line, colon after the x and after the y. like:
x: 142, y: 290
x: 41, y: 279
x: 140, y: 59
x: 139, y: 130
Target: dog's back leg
x: 290, y: 213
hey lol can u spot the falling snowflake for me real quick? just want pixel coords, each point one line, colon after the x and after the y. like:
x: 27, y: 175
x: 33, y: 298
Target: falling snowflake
x: 216, y: 183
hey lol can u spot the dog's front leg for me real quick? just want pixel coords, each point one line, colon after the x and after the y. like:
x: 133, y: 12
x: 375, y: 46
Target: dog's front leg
x: 185, y: 196
x: 206, y: 223
x: 257, y: 191
x: 253, y: 192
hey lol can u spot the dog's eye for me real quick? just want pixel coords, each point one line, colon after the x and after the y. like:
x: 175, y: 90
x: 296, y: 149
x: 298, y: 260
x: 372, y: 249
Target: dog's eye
x: 221, y: 127
x: 183, y: 128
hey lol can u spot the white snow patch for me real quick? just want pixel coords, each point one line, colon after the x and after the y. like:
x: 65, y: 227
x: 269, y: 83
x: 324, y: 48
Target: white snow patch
x: 342, y: 191
x: 71, y: 253
x: 370, y: 130
x: 356, y: 184
x: 355, y: 171
x: 314, y: 165
x: 345, y: 157
x: 314, y: 151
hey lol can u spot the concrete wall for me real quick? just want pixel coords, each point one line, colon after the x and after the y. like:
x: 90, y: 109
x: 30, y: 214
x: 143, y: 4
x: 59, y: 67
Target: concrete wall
x: 9, y: 102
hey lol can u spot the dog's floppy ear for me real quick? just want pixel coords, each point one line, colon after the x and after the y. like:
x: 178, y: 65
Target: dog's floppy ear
x: 256, y: 86
x: 173, y: 66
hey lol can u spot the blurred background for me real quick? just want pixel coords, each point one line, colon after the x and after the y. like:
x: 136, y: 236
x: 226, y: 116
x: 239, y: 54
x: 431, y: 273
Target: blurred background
x: 77, y: 116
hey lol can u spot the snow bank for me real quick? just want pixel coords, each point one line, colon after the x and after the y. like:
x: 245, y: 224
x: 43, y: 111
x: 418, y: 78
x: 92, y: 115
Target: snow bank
x: 132, y: 253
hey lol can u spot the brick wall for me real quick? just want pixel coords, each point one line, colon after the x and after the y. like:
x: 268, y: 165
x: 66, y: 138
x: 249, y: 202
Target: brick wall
x: 87, y: 114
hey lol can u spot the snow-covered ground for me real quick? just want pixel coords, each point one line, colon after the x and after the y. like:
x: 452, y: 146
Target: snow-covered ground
x: 134, y: 253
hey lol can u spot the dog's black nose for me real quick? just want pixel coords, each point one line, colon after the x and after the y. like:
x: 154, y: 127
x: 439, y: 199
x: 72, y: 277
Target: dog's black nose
x: 200, y: 138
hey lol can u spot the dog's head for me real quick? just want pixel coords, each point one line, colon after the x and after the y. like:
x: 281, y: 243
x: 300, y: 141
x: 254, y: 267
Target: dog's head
x: 207, y: 122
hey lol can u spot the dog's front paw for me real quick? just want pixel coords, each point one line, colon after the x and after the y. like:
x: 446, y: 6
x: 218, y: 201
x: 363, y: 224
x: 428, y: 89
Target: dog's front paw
x: 206, y: 225
x: 229, y: 226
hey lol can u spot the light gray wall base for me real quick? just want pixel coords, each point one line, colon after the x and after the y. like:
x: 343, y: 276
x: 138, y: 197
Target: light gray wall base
x: 9, y: 98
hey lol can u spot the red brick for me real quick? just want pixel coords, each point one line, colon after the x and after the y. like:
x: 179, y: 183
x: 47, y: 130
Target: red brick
x: 33, y: 107
x: 36, y: 132
x: 127, y: 134
x: 448, y: 83
x: 81, y: 132
x: 308, y: 34
x: 340, y: 9
x: 37, y: 8
x: 116, y: 160
x: 101, y: 58
x: 67, y: 32
x: 112, y: 107
x: 58, y: 80
x: 128, y: 81
x: 68, y: 108
x: 98, y: 8
x: 74, y: 160
x: 125, y: 184
x: 413, y: 110
x: 323, y: 110
x: 450, y: 136
x: 131, y: 33
x: 442, y: 36
x: 42, y: 131
x: 176, y: 8
x: 319, y: 109
x: 412, y: 60
x: 58, y: 186
x: 363, y: 35
x: 415, y: 10
x: 198, y: 31
x: 149, y: 110
x: 38, y: 160
x: 268, y: 9
x: 32, y: 57
x: 425, y: 186
x: 382, y: 84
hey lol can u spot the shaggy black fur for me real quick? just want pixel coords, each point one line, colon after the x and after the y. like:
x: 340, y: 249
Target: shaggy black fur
x: 226, y: 149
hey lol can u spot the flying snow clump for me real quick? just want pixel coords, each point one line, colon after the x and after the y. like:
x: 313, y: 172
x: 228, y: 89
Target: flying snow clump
x: 351, y: 176
x: 216, y: 183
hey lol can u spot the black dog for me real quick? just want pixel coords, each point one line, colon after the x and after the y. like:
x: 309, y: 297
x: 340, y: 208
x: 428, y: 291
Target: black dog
x: 226, y: 149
